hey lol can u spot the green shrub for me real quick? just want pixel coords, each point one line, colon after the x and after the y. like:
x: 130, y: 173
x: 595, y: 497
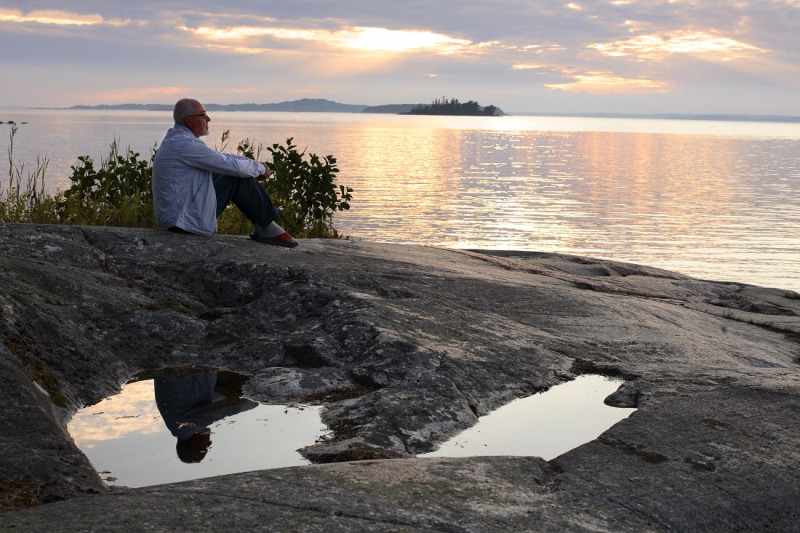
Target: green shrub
x: 116, y: 194
x: 303, y: 188
x: 307, y: 188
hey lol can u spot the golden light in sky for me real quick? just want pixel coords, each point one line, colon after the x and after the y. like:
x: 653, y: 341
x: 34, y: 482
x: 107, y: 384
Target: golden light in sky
x: 528, y: 66
x: 61, y: 18
x: 649, y: 47
x: 367, y: 39
x: 57, y: 18
x: 244, y: 32
x: 607, y: 83
x: 373, y: 39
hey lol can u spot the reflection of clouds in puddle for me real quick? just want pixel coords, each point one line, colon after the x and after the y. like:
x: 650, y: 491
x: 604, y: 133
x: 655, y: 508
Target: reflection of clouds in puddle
x: 131, y: 411
x: 125, y: 438
x: 542, y: 425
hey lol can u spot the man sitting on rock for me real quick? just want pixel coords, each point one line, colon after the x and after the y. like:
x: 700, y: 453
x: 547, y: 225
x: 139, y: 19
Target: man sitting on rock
x: 192, y: 183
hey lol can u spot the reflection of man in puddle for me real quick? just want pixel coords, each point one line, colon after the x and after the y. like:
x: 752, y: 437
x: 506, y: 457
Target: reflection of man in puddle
x: 189, y: 404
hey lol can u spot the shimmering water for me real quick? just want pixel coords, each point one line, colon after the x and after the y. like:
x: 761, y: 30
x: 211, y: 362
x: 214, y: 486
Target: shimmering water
x: 717, y: 200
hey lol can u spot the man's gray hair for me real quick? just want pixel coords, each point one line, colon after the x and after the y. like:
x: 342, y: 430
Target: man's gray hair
x: 183, y: 108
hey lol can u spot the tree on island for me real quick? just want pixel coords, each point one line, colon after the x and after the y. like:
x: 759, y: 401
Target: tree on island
x: 454, y: 107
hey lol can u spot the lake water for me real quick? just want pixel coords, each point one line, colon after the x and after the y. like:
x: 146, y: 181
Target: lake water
x: 716, y: 200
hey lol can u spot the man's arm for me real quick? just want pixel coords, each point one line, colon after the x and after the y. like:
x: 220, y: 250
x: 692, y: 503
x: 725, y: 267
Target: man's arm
x: 197, y: 154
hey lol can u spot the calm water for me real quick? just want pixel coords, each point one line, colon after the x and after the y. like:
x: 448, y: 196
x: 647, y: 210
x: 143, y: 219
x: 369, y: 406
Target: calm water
x: 127, y: 440
x: 142, y: 436
x: 544, y: 425
x: 717, y: 200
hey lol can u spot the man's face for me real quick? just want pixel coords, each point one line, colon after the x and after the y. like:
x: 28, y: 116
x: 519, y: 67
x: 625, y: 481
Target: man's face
x: 198, y: 120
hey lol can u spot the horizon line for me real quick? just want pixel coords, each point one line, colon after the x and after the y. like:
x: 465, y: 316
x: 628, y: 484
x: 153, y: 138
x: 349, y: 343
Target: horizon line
x: 772, y: 117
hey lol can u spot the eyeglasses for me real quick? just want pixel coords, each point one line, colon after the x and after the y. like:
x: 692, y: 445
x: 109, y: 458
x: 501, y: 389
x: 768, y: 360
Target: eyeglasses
x: 204, y: 115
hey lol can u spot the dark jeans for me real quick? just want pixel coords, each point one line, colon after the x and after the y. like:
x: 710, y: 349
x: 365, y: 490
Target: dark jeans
x: 246, y: 194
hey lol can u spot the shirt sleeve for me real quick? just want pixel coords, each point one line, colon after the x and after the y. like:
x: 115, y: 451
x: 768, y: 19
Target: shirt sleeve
x: 197, y: 154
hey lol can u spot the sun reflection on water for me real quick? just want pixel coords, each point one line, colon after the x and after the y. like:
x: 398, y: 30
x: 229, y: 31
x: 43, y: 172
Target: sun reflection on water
x: 675, y: 201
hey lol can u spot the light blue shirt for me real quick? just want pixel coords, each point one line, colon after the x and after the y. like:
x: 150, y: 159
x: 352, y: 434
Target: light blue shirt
x: 183, y: 189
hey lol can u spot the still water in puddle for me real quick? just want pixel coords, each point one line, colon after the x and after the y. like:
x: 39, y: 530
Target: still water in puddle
x: 190, y: 427
x: 176, y: 429
x: 543, y: 425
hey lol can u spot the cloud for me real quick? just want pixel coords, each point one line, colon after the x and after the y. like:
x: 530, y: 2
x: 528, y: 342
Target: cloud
x: 608, y: 83
x: 359, y: 38
x: 57, y: 18
x: 655, y: 47
x: 520, y: 50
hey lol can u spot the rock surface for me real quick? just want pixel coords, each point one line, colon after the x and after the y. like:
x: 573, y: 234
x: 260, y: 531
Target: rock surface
x: 405, y: 346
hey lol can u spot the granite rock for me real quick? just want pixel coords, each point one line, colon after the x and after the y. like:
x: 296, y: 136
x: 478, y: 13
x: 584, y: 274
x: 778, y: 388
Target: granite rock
x: 404, y: 347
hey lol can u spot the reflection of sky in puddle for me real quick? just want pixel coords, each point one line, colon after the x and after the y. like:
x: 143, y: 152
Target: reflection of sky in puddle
x: 542, y: 425
x: 127, y: 441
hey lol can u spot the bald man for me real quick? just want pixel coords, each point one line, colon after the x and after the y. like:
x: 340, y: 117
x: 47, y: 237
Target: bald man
x: 192, y: 183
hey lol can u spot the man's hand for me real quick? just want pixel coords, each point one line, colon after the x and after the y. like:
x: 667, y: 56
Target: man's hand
x: 267, y: 173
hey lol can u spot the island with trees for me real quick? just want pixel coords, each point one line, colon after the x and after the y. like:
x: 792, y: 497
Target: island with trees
x: 454, y: 107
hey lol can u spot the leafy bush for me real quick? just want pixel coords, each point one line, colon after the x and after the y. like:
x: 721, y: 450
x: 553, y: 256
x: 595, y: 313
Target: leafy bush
x: 303, y: 188
x: 307, y: 188
x: 116, y: 194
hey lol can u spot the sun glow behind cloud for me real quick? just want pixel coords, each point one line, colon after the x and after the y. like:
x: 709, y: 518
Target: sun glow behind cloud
x: 374, y: 39
x: 366, y: 39
x: 608, y: 83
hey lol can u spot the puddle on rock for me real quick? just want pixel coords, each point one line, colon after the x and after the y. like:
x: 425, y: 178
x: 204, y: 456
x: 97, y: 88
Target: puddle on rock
x: 542, y: 425
x: 190, y: 426
x: 197, y: 425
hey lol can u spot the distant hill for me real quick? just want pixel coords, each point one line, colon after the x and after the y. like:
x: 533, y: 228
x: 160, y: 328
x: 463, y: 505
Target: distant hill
x: 133, y: 107
x: 315, y: 105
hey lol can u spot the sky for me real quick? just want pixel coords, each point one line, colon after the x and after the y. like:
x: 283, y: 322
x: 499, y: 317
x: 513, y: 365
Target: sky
x: 584, y: 56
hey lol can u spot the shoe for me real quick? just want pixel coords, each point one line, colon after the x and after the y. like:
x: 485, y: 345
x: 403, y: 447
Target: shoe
x: 284, y: 239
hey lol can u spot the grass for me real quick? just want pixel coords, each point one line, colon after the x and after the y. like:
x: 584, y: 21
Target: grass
x: 17, y: 494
